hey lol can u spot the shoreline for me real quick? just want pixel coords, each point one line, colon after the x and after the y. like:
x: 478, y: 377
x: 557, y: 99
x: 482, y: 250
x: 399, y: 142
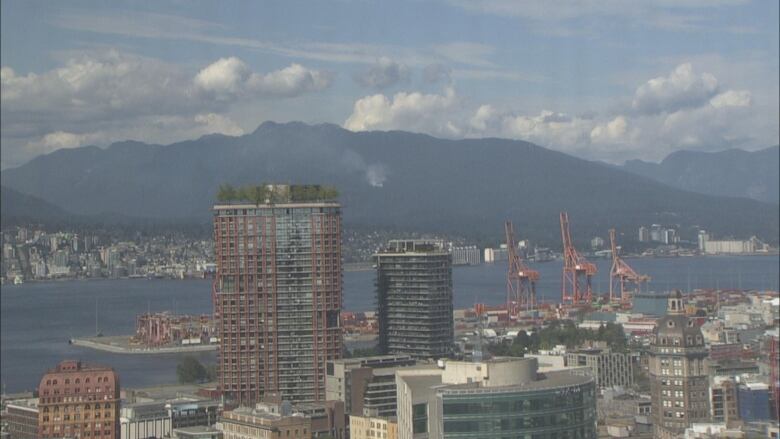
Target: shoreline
x: 118, y: 349
x: 364, y: 267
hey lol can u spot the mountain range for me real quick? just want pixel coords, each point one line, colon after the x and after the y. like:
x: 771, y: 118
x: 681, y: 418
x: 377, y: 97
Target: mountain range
x: 388, y: 179
x: 733, y: 172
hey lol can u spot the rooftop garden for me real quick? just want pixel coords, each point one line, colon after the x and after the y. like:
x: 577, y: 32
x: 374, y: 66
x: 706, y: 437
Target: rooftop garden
x: 276, y: 193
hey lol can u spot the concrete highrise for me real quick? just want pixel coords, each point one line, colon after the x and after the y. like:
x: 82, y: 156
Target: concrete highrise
x: 679, y: 383
x: 414, y: 294
x: 277, y: 292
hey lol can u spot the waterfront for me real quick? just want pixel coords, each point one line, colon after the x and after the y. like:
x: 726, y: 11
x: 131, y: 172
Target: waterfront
x: 38, y: 319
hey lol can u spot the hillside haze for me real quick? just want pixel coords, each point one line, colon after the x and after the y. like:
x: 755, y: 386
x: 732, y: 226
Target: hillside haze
x: 733, y: 172
x: 387, y: 180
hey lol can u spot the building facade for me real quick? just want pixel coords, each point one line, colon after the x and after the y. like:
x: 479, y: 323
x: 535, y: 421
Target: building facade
x: 259, y: 423
x: 365, y: 385
x: 494, y: 399
x: 414, y: 294
x: 609, y: 368
x: 277, y: 296
x: 21, y: 418
x: 144, y: 420
x: 79, y: 400
x: 679, y: 382
x: 372, y: 427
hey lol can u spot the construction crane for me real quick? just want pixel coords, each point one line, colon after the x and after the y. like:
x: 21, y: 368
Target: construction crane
x: 520, y: 279
x: 620, y: 274
x: 574, y: 267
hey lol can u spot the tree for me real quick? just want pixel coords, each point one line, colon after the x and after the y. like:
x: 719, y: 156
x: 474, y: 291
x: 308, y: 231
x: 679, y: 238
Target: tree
x: 227, y: 192
x: 190, y: 370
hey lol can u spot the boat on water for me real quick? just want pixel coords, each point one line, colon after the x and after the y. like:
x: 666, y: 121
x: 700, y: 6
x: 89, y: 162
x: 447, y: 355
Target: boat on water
x: 18, y: 280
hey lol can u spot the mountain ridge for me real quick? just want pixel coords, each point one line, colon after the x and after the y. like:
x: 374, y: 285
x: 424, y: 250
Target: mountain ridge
x: 732, y: 172
x: 386, y: 179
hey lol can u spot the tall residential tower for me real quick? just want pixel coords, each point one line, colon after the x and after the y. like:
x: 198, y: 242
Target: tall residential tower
x: 414, y: 291
x: 277, y: 293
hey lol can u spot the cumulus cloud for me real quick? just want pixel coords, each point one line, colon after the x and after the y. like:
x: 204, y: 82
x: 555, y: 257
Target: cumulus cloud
x: 732, y: 98
x: 230, y: 78
x: 683, y: 88
x: 410, y: 111
x: 682, y: 110
x: 610, y: 132
x: 383, y: 74
x: 102, y: 96
x: 294, y: 80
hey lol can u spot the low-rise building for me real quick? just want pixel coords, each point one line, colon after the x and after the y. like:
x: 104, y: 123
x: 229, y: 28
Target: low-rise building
x: 372, y: 427
x: 199, y: 432
x: 610, y: 369
x: 494, y: 398
x: 145, y: 419
x: 21, y: 418
x: 264, y: 422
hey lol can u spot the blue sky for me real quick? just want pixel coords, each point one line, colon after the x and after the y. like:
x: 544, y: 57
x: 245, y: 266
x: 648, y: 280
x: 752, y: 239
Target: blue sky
x: 601, y: 79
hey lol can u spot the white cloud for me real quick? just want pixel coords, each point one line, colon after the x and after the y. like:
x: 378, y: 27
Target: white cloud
x: 61, y: 140
x: 225, y: 77
x: 732, y: 98
x: 610, y: 132
x: 290, y: 81
x: 230, y: 78
x: 683, y: 88
x: 416, y: 111
x: 382, y: 74
x: 682, y: 110
x: 216, y: 123
x: 108, y: 95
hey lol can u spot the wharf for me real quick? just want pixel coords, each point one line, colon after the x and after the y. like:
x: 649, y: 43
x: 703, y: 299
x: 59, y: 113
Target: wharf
x: 120, y: 344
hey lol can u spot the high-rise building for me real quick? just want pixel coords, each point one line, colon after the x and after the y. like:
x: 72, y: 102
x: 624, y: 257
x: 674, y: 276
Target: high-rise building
x: 679, y: 383
x: 79, y: 400
x: 498, y: 398
x: 277, y: 294
x: 414, y: 294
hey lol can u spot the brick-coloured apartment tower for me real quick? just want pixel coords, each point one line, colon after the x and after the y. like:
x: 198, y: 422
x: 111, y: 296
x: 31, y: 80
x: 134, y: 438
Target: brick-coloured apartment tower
x: 79, y: 400
x: 277, y: 296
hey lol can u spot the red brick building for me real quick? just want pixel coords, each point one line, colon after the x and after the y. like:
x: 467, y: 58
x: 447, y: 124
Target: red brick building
x: 277, y: 296
x: 79, y: 400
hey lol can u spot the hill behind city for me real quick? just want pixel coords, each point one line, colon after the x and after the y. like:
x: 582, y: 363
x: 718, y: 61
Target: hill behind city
x: 733, y: 172
x: 389, y: 179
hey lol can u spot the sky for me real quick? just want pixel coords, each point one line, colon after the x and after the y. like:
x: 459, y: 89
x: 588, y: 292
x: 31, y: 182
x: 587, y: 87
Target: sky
x: 607, y: 80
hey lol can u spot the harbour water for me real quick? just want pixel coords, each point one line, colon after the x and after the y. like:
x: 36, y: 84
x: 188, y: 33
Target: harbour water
x: 38, y: 319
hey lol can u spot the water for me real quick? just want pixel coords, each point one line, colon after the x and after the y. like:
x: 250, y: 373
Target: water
x: 39, y: 318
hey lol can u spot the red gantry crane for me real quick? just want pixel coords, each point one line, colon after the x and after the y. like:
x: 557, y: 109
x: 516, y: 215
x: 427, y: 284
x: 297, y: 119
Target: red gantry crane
x: 574, y: 266
x: 520, y: 279
x: 620, y: 274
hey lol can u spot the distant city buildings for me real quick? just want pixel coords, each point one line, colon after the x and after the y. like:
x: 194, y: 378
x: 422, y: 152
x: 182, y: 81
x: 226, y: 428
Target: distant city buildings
x: 414, y: 294
x: 709, y: 246
x: 658, y: 233
x: 469, y: 255
x: 277, y: 296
